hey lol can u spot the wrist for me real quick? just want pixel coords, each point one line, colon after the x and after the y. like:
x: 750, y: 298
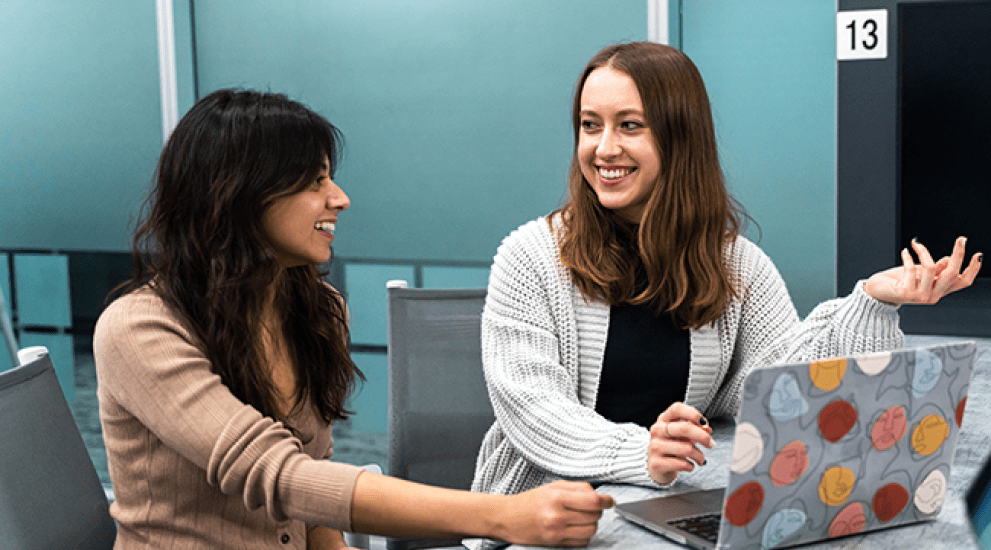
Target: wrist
x: 498, y: 525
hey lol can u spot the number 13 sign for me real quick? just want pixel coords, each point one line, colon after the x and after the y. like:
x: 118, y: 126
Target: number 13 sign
x: 861, y: 34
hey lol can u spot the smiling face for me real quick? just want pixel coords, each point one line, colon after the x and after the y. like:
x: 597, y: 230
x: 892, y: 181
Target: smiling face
x: 300, y: 226
x: 616, y: 149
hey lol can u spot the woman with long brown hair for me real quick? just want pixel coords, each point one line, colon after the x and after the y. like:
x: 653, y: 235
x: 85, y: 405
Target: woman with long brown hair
x: 614, y: 326
x: 224, y: 361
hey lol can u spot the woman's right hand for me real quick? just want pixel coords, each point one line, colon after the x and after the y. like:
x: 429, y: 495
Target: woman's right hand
x: 562, y: 513
x: 674, y: 441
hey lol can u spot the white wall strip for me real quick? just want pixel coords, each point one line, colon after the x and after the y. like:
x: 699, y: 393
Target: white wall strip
x: 166, y: 68
x: 657, y: 21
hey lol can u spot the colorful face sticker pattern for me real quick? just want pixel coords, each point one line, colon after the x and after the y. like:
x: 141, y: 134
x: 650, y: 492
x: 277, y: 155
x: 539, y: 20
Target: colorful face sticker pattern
x: 787, y: 401
x: 889, y: 428
x: 747, y: 449
x: 808, y: 464
x: 790, y: 464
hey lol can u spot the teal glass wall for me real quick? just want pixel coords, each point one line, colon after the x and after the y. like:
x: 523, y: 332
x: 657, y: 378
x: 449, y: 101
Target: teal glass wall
x: 80, y: 119
x: 456, y: 114
x: 770, y: 70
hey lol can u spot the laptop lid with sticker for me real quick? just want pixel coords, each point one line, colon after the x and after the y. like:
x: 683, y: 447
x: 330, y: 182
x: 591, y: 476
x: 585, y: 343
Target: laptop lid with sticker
x: 839, y: 447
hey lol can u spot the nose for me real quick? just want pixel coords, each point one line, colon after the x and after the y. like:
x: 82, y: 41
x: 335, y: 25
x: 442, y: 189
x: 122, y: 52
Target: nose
x: 337, y: 199
x: 608, y: 143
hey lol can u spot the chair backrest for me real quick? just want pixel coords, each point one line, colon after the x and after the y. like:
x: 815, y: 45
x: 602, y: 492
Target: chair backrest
x: 50, y: 494
x: 439, y: 408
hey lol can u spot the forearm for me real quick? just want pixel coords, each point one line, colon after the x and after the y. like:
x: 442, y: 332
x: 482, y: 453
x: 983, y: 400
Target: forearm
x: 560, y: 513
x: 324, y: 538
x: 393, y: 507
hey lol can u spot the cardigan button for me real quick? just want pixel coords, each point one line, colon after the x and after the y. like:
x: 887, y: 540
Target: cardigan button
x: 285, y: 538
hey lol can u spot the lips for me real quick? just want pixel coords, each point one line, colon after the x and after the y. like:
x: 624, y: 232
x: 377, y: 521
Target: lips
x: 325, y: 226
x: 614, y: 173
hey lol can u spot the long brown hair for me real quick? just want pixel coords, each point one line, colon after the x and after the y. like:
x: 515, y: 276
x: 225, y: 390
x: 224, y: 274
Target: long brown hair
x: 202, y: 249
x: 689, y: 217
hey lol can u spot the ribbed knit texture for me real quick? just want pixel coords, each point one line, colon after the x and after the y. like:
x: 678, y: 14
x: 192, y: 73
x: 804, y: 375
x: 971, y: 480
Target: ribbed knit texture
x: 543, y: 345
x: 192, y: 466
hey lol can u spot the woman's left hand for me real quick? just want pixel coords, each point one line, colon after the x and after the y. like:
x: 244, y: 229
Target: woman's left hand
x: 674, y: 441
x: 925, y: 282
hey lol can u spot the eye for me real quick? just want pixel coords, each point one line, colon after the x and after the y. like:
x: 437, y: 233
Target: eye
x: 318, y: 181
x: 588, y: 125
x: 632, y: 125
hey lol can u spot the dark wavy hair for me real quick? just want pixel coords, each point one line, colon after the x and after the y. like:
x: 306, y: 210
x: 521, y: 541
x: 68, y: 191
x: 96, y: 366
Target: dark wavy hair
x: 201, y: 247
x: 689, y: 217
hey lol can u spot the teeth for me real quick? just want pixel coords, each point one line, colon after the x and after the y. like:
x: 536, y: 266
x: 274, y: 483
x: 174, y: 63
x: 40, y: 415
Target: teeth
x: 615, y: 173
x: 324, y: 226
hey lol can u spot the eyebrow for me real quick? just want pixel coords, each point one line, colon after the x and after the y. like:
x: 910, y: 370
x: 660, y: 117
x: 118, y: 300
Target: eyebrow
x: 624, y: 112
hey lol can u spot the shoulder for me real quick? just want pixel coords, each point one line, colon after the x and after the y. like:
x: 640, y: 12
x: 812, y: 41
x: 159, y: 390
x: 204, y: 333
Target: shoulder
x: 139, y: 311
x: 533, y: 230
x: 529, y: 243
x: 744, y: 258
x: 141, y: 302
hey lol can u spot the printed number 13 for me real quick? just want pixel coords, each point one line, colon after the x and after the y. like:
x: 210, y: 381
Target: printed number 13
x: 870, y: 26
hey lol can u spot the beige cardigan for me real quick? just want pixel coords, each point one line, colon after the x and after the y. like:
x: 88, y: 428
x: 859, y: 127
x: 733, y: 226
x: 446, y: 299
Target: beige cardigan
x: 192, y: 466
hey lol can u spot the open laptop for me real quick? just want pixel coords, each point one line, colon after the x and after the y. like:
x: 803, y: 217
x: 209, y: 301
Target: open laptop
x: 829, y: 448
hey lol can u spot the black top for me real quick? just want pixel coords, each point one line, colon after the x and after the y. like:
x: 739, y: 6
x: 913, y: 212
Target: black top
x: 645, y: 368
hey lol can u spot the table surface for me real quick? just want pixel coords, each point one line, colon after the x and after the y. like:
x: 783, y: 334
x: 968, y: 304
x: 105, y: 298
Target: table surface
x: 950, y: 531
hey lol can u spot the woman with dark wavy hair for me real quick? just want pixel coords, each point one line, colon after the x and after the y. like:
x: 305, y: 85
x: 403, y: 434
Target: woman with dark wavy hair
x: 224, y: 360
x: 614, y: 323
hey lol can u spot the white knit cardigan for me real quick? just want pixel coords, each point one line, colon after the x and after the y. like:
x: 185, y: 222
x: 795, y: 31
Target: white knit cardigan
x: 543, y: 344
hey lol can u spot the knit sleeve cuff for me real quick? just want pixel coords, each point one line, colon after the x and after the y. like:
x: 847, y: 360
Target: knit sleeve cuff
x: 319, y: 491
x: 867, y: 315
x: 631, y: 460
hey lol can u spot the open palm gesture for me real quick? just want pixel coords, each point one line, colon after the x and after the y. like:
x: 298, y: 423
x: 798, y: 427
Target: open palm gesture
x: 927, y: 281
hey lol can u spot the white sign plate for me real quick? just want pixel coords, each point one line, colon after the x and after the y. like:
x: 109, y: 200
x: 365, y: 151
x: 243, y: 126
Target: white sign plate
x: 861, y: 34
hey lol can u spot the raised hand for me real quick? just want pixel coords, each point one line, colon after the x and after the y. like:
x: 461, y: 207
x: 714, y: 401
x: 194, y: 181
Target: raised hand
x: 927, y: 281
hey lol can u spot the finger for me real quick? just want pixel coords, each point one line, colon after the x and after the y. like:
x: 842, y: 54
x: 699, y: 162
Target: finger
x: 576, y: 542
x: 925, y: 258
x: 941, y: 265
x: 683, y: 411
x: 954, y: 280
x: 969, y: 274
x: 579, y: 533
x: 584, y: 499
x: 582, y: 518
x: 667, y: 464
x: 691, y: 432
x: 926, y: 273
x: 908, y: 263
x: 606, y: 501
x: 952, y: 267
x: 909, y: 278
x: 674, y: 455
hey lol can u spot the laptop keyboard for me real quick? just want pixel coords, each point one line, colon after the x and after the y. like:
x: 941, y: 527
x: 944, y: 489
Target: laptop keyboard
x: 705, y: 526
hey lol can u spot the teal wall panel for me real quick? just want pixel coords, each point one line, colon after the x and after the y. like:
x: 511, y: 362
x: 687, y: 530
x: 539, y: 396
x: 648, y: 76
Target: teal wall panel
x: 60, y: 348
x: 456, y: 114
x: 370, y: 400
x: 455, y: 277
x: 81, y: 121
x: 41, y: 282
x: 368, y: 300
x: 770, y: 70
